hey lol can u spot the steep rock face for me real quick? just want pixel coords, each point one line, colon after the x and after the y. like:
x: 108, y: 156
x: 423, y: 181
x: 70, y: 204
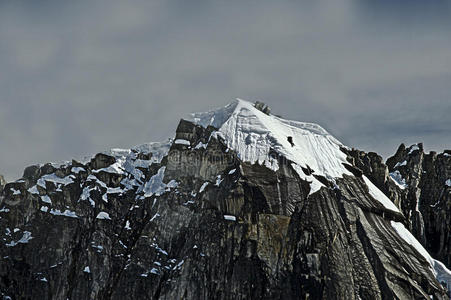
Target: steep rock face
x: 191, y: 219
x: 425, y: 196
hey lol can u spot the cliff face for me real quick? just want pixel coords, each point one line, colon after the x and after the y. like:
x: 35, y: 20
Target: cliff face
x: 419, y: 184
x: 425, y: 197
x: 193, y: 219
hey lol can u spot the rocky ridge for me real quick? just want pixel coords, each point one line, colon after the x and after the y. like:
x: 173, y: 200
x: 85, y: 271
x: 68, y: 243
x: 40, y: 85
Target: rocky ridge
x: 204, y: 217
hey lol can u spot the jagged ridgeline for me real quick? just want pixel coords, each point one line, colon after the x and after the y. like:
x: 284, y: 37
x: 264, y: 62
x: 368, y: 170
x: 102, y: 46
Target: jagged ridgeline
x: 242, y: 204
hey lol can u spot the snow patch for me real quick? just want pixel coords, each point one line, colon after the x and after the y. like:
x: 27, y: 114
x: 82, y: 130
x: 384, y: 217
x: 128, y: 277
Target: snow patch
x: 77, y: 170
x: 15, y: 192
x: 229, y: 218
x: 413, y: 148
x: 202, y: 188
x: 379, y: 196
x: 103, y: 216
x: 46, y: 199
x: 127, y: 225
x: 182, y: 142
x: 33, y: 190
x: 156, y: 186
x: 66, y: 213
x: 218, y: 180
x: 158, y: 150
x: 26, y: 237
x: 396, y: 177
x: 55, y: 179
x: 400, y: 164
x: 201, y: 145
x: 115, y: 168
x: 448, y: 182
x: 254, y: 135
x: 438, y: 268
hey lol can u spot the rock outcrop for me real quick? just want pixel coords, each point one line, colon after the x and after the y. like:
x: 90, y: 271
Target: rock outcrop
x: 425, y: 196
x: 190, y: 219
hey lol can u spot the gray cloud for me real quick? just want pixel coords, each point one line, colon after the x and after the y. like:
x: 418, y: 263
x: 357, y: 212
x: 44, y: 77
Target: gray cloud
x: 83, y: 76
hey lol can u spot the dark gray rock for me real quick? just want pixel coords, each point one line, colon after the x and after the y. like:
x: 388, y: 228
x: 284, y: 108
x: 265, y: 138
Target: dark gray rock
x: 262, y: 107
x: 426, y: 200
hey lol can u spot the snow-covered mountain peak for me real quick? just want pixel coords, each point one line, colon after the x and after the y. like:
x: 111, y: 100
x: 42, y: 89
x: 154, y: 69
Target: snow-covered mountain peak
x: 255, y: 136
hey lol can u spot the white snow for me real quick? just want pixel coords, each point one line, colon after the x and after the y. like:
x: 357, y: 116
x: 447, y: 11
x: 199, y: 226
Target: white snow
x: 438, y: 268
x: 44, y: 208
x: 46, y: 199
x: 15, y: 192
x: 55, y: 179
x: 33, y: 190
x: 116, y: 190
x: 156, y: 186
x: 218, y: 180
x: 443, y: 274
x: 66, y: 213
x: 116, y: 168
x: 158, y: 150
x: 379, y: 196
x: 413, y: 148
x: 142, y: 163
x: 154, y: 217
x: 401, y: 164
x: 448, y: 182
x: 119, y: 152
x: 396, y: 177
x: 127, y: 225
x: 315, y: 184
x: 229, y: 218
x: 253, y: 135
x: 97, y: 180
x: 232, y: 171
x: 103, y: 216
x: 77, y: 170
x: 86, y: 195
x: 201, y: 145
x: 202, y: 188
x: 26, y: 237
x: 87, y: 270
x: 182, y: 142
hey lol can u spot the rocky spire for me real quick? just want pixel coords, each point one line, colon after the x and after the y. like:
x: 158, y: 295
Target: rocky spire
x: 262, y: 107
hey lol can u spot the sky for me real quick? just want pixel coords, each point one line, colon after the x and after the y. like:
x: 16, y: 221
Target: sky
x: 80, y: 77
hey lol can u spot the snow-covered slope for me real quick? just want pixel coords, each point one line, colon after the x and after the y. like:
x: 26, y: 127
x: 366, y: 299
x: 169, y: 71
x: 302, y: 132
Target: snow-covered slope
x: 255, y: 135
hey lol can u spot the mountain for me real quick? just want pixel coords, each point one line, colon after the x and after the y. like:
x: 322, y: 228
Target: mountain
x: 241, y: 204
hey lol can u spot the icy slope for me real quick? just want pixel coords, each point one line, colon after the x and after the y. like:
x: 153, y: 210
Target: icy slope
x: 254, y: 135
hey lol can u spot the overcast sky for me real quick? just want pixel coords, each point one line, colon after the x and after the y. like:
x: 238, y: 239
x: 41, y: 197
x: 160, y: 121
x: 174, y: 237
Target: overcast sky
x: 79, y: 77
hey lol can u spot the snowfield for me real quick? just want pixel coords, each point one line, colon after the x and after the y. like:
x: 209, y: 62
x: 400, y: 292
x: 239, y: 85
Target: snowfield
x: 254, y: 135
